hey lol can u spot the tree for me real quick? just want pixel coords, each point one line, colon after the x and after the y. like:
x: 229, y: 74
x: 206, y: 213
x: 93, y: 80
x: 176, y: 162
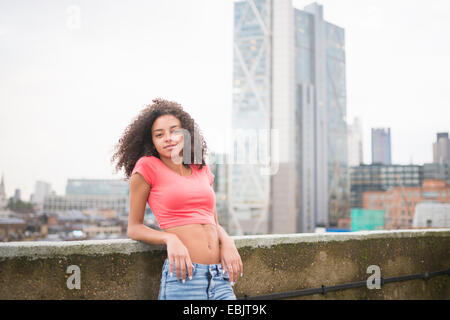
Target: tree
x: 20, y: 206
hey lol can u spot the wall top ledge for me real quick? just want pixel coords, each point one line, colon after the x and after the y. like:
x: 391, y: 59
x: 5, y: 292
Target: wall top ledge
x: 50, y: 249
x: 271, y: 240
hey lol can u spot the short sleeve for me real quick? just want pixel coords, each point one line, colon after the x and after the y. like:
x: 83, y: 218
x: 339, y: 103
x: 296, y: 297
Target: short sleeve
x: 210, y: 175
x: 144, y: 167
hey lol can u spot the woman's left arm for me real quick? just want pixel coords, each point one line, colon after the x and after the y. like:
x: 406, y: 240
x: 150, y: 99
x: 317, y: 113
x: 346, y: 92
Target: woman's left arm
x: 229, y: 255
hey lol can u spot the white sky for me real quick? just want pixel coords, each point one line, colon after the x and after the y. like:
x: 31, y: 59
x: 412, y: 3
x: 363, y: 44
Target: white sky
x: 69, y: 87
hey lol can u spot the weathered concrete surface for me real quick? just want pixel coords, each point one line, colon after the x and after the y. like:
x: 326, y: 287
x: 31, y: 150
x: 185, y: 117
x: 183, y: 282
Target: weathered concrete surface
x: 127, y: 269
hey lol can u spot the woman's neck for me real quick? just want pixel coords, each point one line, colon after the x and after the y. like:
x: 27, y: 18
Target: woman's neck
x: 178, y: 168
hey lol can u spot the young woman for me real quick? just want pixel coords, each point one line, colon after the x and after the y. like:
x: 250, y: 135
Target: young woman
x: 202, y: 260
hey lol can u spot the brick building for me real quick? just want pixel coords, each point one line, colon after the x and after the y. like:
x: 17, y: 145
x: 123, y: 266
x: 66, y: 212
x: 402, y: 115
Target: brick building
x: 399, y: 202
x: 378, y: 177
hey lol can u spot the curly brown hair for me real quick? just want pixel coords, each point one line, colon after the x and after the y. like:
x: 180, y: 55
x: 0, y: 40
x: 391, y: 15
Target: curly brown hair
x: 136, y: 141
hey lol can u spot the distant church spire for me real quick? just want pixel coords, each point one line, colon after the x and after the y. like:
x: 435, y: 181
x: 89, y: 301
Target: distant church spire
x: 3, y: 198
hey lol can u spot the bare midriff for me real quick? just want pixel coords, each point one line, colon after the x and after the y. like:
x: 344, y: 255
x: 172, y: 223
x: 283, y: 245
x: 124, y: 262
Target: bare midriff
x: 201, y: 240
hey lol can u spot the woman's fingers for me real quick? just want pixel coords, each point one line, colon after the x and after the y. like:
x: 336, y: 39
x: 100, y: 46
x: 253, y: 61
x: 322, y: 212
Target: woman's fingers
x: 178, y: 268
x: 183, y: 270
x: 186, y: 266
x: 235, y: 271
x: 234, y: 268
x: 189, y: 267
x: 238, y: 269
x: 182, y: 265
x: 171, y: 266
x: 230, y: 271
x: 225, y: 267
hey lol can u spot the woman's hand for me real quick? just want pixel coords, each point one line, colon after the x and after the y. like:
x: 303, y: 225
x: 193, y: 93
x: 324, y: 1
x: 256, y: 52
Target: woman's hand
x: 231, y: 260
x: 178, y: 255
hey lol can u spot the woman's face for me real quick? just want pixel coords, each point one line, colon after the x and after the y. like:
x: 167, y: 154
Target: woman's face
x: 167, y: 136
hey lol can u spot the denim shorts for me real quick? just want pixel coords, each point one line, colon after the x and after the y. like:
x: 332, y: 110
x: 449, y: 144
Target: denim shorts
x: 208, y: 283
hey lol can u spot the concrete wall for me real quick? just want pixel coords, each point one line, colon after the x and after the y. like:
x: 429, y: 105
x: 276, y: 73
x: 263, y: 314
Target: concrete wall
x: 127, y: 269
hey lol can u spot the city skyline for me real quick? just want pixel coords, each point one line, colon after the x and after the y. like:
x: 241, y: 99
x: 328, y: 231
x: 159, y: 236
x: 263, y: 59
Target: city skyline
x: 62, y: 107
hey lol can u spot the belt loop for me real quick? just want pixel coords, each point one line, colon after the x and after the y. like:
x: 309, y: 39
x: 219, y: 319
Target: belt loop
x: 210, y: 270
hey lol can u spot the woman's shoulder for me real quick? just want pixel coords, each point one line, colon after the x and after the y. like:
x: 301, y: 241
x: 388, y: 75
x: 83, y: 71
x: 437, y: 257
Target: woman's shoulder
x: 148, y: 163
x: 148, y: 167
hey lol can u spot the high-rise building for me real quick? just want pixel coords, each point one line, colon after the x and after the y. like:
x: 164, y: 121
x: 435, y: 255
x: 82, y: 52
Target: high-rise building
x: 17, y: 195
x: 381, y: 146
x: 441, y: 148
x: 355, y: 143
x: 41, y: 190
x: 289, y: 80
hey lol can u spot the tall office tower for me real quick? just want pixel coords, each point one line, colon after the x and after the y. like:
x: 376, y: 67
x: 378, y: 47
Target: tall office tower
x: 41, y: 190
x: 355, y: 143
x: 289, y: 99
x: 441, y: 148
x: 381, y: 146
x: 17, y: 195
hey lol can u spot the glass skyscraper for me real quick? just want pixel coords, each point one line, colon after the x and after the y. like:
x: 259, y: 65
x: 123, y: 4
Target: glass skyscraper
x: 289, y: 77
x: 381, y: 146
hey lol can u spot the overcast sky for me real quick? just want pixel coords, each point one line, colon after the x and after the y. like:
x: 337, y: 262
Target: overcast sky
x: 73, y: 74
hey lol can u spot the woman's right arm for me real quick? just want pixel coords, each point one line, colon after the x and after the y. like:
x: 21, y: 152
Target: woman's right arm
x: 176, y: 251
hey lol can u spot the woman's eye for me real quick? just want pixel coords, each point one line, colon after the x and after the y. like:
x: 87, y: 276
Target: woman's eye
x: 173, y: 132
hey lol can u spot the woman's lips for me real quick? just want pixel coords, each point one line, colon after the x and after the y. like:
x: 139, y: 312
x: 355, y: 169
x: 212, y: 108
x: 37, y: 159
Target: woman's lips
x: 170, y: 147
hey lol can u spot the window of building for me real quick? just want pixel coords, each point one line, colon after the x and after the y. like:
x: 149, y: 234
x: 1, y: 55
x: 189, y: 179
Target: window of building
x: 430, y: 194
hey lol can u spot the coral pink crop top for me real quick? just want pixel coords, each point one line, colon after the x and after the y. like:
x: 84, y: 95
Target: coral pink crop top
x: 178, y: 200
